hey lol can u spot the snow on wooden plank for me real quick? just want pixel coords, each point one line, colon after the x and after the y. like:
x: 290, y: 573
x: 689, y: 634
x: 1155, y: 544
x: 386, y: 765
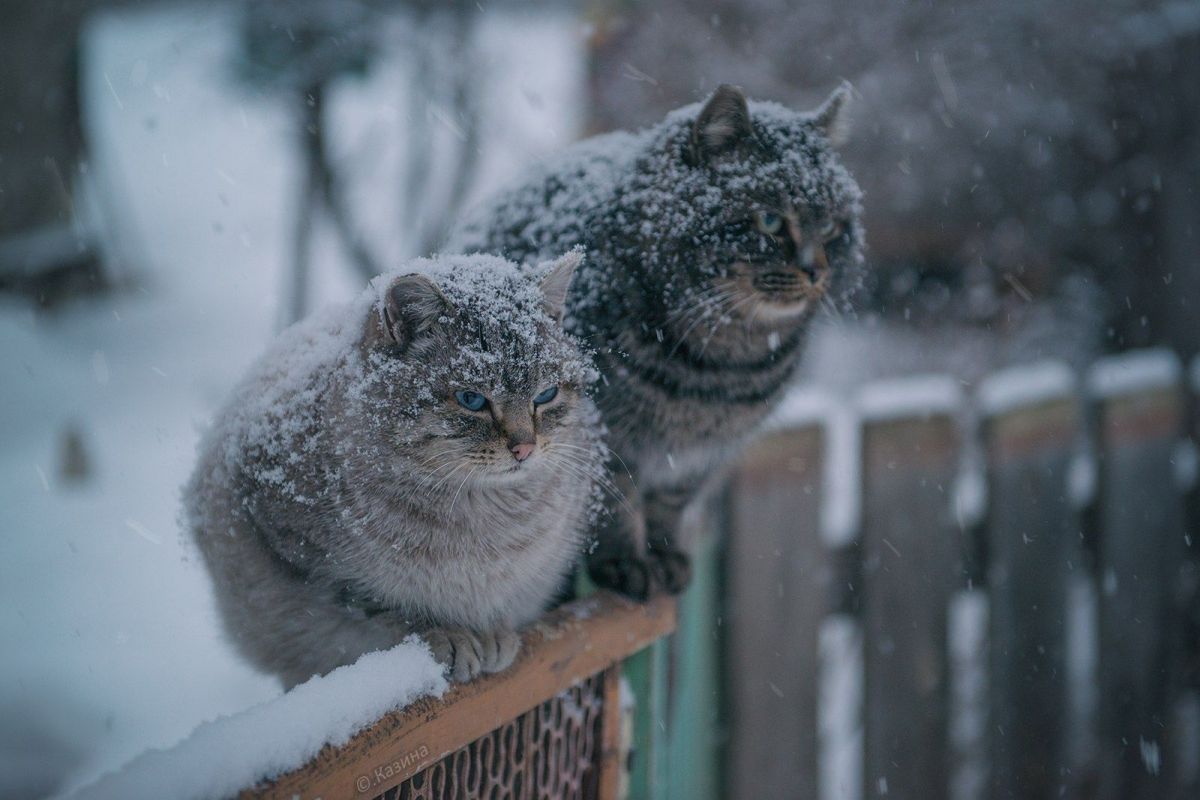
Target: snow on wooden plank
x: 1025, y: 385
x: 1136, y: 371
x: 801, y: 406
x: 919, y: 396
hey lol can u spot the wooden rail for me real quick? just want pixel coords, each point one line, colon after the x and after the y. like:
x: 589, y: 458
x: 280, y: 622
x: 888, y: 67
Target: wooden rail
x: 586, y: 639
x: 1013, y: 599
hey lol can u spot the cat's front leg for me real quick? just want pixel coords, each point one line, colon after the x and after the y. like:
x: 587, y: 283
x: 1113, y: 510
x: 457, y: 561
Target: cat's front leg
x: 617, y: 558
x: 670, y: 564
x: 636, y: 551
x: 467, y: 653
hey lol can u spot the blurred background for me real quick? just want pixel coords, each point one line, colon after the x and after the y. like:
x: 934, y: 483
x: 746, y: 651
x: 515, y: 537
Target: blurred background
x: 180, y: 180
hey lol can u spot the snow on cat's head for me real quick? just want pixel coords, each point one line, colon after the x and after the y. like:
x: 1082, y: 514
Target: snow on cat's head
x: 468, y: 371
x: 750, y: 201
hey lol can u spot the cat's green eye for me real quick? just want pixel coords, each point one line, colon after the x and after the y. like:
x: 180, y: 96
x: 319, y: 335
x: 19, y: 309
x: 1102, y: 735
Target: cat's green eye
x: 831, y: 230
x: 546, y: 396
x: 471, y: 401
x: 768, y: 222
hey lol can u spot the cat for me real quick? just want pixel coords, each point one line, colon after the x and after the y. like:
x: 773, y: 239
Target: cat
x: 420, y: 461
x: 712, y: 238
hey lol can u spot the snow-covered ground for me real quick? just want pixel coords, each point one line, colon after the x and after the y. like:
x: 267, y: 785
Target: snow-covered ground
x: 111, y: 644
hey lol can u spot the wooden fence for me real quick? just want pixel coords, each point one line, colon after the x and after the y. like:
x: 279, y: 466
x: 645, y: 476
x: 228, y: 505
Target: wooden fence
x: 919, y: 592
x: 548, y: 728
x: 935, y: 593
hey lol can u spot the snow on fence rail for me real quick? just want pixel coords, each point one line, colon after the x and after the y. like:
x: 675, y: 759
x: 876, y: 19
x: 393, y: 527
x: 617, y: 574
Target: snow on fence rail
x: 389, y: 726
x: 1012, y: 572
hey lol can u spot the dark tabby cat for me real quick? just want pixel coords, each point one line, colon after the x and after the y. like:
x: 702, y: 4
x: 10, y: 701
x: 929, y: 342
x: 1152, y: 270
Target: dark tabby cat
x: 419, y: 462
x: 712, y: 238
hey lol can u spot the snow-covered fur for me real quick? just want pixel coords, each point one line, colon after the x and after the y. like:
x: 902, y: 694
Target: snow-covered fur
x: 712, y: 237
x: 346, y: 497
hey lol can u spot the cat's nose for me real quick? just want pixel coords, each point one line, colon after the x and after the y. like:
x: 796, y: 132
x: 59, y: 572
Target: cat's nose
x: 522, y: 451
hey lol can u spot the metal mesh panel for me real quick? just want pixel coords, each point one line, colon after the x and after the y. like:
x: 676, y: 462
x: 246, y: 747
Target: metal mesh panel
x: 549, y: 753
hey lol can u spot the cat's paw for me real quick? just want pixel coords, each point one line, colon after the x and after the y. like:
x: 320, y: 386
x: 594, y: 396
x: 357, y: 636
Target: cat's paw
x: 661, y: 572
x: 460, y: 650
x: 672, y: 570
x: 499, y: 649
x: 632, y: 577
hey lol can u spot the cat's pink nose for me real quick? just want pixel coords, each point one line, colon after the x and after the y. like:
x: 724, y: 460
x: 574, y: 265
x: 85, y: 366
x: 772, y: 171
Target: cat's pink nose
x: 522, y: 451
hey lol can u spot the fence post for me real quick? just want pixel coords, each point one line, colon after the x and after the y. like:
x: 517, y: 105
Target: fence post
x: 1031, y: 427
x: 1141, y: 551
x: 912, y: 563
x: 776, y: 599
x: 1188, y: 747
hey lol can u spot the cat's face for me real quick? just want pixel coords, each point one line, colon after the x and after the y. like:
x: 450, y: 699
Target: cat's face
x: 761, y: 220
x: 475, y: 379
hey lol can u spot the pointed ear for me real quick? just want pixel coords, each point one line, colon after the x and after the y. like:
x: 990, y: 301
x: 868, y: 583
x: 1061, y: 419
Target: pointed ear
x: 832, y: 117
x: 411, y: 306
x: 557, y: 283
x: 722, y: 123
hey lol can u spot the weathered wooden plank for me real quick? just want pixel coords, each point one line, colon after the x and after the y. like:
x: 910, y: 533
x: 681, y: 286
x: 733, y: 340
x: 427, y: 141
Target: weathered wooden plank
x: 570, y: 644
x: 1033, y: 554
x: 777, y: 595
x: 1141, y: 547
x: 912, y: 563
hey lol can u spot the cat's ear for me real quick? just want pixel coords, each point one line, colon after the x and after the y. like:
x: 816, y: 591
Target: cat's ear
x: 832, y: 117
x: 412, y: 304
x: 557, y: 283
x: 722, y: 123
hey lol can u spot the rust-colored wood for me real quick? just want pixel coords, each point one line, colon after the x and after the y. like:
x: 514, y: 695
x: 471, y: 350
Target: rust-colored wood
x: 568, y: 645
x: 610, y: 735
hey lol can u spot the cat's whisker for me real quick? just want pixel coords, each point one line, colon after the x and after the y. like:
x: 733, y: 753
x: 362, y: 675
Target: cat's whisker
x: 429, y: 476
x: 699, y: 299
x: 607, y: 450
x: 703, y: 313
x: 460, y: 488
x: 580, y: 469
x: 724, y: 320
x: 446, y: 478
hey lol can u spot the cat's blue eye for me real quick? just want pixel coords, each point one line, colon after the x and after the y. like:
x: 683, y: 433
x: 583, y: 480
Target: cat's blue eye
x: 546, y: 396
x: 472, y: 401
x: 831, y: 230
x: 768, y: 222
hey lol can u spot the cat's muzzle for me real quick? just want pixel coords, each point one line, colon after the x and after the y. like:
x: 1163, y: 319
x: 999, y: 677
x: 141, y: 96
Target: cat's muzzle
x: 787, y: 285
